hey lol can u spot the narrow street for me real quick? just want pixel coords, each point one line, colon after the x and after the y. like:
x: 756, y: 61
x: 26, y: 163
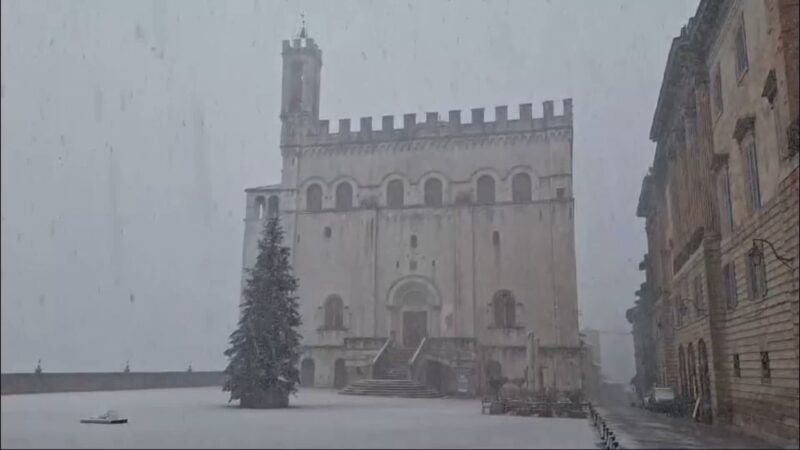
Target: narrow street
x: 639, y: 428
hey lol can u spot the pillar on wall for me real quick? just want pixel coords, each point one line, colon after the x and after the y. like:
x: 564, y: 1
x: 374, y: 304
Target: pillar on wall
x: 533, y: 361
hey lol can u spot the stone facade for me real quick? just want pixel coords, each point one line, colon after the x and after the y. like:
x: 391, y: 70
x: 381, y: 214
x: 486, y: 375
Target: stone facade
x: 719, y: 308
x: 435, y: 229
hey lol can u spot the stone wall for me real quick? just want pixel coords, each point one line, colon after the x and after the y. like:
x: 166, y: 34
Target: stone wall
x: 30, y: 383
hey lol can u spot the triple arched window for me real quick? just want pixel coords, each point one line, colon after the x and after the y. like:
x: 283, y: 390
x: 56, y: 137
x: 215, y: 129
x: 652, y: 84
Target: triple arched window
x: 504, y: 307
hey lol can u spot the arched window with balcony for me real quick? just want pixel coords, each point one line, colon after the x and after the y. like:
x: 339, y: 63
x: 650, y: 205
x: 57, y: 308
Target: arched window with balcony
x: 504, y: 306
x: 314, y: 197
x: 485, y: 190
x: 334, y: 313
x: 344, y: 196
x: 259, y: 207
x: 433, y: 192
x: 395, y: 194
x: 521, y: 188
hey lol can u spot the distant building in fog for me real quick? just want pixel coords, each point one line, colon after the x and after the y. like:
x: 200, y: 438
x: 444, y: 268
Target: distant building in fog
x: 457, y: 234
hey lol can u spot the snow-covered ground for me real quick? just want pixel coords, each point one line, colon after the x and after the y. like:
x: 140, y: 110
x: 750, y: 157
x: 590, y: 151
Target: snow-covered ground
x: 201, y: 417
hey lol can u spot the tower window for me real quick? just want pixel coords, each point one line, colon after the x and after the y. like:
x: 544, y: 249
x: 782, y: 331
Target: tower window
x: 505, y: 309
x: 560, y: 193
x: 395, y: 194
x: 485, y: 190
x: 259, y: 207
x: 413, y: 241
x: 273, y: 206
x: 327, y: 232
x: 295, y: 86
x: 496, y: 238
x: 433, y: 192
x: 314, y: 198
x: 334, y: 317
x: 521, y: 188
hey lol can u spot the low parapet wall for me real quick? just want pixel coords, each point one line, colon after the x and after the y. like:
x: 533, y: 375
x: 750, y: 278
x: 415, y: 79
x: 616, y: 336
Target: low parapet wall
x: 30, y: 383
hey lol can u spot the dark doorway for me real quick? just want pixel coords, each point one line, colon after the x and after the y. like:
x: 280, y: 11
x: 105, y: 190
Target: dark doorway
x: 415, y: 327
x: 307, y: 373
x: 339, y: 374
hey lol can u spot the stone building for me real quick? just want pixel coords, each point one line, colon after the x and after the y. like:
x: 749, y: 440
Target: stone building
x: 719, y: 308
x: 443, y: 247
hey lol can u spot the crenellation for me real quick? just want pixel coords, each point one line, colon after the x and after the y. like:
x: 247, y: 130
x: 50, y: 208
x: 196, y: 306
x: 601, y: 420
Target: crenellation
x: 387, y: 123
x: 526, y: 112
x: 344, y: 127
x: 477, y: 116
x: 501, y: 114
x: 434, y: 127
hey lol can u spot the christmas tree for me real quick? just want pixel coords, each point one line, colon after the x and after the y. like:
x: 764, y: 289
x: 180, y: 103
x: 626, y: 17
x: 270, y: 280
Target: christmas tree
x: 265, y: 348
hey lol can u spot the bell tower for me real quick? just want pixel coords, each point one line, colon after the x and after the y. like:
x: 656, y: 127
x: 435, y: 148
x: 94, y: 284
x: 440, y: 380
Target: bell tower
x: 302, y: 63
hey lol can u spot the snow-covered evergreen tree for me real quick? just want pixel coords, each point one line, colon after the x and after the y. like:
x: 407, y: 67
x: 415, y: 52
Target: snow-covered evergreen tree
x: 265, y: 348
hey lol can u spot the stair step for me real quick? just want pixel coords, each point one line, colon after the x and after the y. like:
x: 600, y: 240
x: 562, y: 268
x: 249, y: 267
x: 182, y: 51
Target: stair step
x: 390, y: 388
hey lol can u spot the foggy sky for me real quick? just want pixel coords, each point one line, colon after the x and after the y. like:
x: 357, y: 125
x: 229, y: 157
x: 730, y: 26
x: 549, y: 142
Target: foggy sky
x: 131, y: 128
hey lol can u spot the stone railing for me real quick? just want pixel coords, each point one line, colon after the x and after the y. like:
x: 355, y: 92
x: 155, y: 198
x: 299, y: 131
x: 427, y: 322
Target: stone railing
x: 415, y: 364
x: 33, y: 383
x: 377, y: 362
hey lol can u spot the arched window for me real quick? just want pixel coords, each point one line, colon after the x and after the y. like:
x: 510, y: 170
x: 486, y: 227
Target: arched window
x: 334, y: 319
x: 505, y: 309
x: 259, y: 207
x: 344, y: 196
x: 433, y: 192
x: 485, y: 189
x: 394, y: 194
x: 314, y: 198
x: 521, y: 188
x: 704, y: 380
x: 273, y: 206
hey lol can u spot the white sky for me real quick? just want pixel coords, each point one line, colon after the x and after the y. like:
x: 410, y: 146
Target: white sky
x: 130, y: 129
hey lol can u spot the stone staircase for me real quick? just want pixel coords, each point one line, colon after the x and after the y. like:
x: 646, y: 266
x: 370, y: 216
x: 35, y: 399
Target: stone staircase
x: 390, y: 388
x: 392, y: 380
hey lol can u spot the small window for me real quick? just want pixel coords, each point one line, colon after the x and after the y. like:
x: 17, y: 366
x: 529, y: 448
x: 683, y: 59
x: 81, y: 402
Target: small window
x: 485, y: 190
x: 742, y: 62
x: 395, y: 196
x: 757, y: 275
x: 716, y: 90
x: 433, y: 192
x: 260, y: 206
x: 521, y: 188
x: 559, y: 192
x: 327, y: 232
x: 737, y: 370
x: 496, y: 238
x: 766, y: 371
x: 729, y: 285
x: 413, y: 241
x: 314, y: 198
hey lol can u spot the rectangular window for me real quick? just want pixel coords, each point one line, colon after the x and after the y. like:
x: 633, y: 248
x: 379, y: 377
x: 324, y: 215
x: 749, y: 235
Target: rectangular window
x: 737, y: 370
x: 716, y: 90
x: 697, y: 287
x: 741, y: 50
x: 754, y: 190
x: 766, y: 372
x: 756, y: 276
x: 725, y: 205
x: 729, y: 284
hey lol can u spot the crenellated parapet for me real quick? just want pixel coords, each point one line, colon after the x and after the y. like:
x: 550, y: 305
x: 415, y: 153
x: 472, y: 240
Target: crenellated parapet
x: 434, y: 127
